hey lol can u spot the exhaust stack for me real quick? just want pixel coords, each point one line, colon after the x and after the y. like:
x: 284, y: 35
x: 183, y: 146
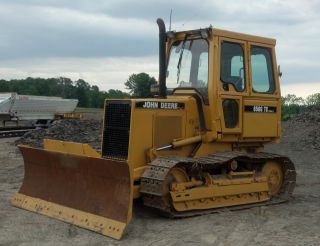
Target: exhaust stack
x: 162, y: 58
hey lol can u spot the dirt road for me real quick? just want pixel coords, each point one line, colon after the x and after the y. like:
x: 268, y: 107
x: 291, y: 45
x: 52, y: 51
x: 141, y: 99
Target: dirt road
x: 293, y: 223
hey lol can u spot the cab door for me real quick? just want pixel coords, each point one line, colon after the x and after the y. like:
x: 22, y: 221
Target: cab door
x: 262, y: 110
x: 233, y: 85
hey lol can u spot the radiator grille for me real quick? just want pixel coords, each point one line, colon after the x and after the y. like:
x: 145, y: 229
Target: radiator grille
x: 116, y: 130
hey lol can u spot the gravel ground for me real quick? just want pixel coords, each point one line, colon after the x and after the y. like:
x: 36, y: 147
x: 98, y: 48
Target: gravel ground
x: 294, y: 223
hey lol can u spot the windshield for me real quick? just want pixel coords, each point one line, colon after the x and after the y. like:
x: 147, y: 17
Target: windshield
x: 188, y: 66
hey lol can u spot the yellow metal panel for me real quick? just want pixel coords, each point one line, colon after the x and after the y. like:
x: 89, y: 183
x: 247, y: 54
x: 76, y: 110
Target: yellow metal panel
x: 218, y: 191
x: 242, y: 36
x: 70, y: 148
x: 140, y: 136
x: 257, y: 124
x: 234, y: 35
x: 219, y: 202
x: 105, y: 226
x: 166, y: 129
x: 144, y: 129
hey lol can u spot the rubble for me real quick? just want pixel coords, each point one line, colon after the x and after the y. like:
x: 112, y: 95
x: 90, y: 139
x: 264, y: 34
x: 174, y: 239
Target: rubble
x: 81, y: 131
x: 303, y: 131
x: 309, y: 115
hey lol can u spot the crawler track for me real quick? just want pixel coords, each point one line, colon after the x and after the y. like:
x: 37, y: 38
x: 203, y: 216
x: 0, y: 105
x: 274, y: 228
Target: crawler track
x: 152, y: 181
x: 9, y: 132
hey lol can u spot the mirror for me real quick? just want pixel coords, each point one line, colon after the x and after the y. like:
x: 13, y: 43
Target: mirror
x: 279, y: 71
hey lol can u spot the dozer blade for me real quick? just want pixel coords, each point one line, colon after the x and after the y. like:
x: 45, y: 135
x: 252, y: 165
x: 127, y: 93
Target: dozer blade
x: 90, y: 192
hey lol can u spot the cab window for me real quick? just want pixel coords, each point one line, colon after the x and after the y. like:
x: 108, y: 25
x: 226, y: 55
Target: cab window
x: 232, y: 65
x: 188, y: 66
x: 261, y: 70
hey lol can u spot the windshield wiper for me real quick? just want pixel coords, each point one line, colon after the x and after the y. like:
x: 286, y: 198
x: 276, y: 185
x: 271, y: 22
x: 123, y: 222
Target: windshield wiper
x: 180, y: 58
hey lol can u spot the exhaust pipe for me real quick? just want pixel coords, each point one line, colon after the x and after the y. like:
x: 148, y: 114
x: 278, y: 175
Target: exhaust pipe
x: 162, y: 58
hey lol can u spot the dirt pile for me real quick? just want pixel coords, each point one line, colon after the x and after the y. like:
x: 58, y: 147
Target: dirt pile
x: 309, y: 115
x: 303, y: 131
x: 81, y: 131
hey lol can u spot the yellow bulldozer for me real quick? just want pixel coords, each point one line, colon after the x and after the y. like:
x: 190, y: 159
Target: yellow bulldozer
x: 195, y: 148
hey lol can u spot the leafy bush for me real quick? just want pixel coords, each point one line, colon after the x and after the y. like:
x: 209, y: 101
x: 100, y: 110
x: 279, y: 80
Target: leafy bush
x: 292, y: 105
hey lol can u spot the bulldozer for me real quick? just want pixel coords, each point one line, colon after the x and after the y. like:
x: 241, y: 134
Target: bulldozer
x: 196, y: 147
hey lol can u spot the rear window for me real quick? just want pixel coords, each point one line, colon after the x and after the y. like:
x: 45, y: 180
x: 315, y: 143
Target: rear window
x: 261, y: 70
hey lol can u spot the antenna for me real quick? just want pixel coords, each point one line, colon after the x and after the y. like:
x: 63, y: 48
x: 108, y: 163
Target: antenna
x: 170, y: 20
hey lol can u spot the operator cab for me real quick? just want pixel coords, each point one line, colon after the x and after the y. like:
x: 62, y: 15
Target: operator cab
x: 233, y: 74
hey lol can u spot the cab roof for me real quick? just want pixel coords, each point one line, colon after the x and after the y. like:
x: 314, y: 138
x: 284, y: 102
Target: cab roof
x: 229, y: 34
x: 242, y: 36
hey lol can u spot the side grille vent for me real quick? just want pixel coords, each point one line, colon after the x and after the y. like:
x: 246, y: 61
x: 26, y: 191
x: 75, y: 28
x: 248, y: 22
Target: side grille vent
x: 116, y: 130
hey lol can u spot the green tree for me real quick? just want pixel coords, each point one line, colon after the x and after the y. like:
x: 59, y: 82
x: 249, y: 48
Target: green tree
x: 82, y: 90
x: 313, y: 100
x: 93, y: 94
x: 291, y: 105
x: 88, y: 96
x: 4, y: 86
x: 139, y: 85
x: 292, y: 99
x: 117, y: 94
x: 68, y: 90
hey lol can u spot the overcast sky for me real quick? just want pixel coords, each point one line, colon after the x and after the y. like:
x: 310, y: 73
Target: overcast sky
x: 104, y: 41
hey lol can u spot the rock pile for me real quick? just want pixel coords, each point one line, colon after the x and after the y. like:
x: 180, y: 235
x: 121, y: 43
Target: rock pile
x: 305, y: 129
x: 309, y: 115
x: 81, y: 131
